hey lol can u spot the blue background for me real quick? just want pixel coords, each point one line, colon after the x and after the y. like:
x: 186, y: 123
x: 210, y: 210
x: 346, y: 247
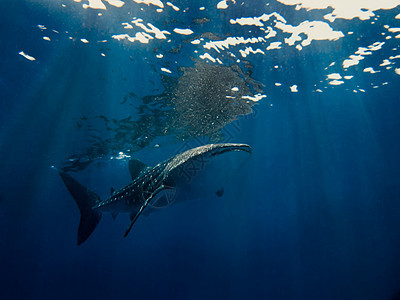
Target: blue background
x: 314, y: 214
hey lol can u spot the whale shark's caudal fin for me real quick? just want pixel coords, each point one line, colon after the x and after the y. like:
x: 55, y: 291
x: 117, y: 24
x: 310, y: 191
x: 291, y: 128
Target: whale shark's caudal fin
x: 85, y: 199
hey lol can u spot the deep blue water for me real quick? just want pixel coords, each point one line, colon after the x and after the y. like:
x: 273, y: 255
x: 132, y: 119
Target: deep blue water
x: 314, y: 214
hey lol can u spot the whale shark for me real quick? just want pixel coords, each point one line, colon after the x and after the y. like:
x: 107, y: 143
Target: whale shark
x: 192, y: 174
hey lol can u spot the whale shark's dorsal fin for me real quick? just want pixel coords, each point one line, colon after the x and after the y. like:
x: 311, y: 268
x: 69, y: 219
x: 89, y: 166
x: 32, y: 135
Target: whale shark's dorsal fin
x: 135, y: 167
x: 112, y: 190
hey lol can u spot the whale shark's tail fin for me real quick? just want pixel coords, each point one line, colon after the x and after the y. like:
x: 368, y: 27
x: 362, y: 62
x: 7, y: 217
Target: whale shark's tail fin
x: 85, y: 199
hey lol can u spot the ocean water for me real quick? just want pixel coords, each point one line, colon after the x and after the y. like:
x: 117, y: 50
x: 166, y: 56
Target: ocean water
x: 312, y: 87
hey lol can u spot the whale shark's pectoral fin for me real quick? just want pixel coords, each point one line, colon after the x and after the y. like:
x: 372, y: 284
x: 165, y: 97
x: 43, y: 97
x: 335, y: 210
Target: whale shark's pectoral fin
x: 220, y: 192
x: 134, y: 217
x: 136, y: 167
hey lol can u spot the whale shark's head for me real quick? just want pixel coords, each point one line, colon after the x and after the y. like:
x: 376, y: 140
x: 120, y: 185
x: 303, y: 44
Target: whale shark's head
x: 203, y: 170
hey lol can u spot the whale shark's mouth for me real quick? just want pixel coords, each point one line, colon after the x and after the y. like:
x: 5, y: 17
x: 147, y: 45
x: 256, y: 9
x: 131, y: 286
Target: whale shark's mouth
x: 231, y: 147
